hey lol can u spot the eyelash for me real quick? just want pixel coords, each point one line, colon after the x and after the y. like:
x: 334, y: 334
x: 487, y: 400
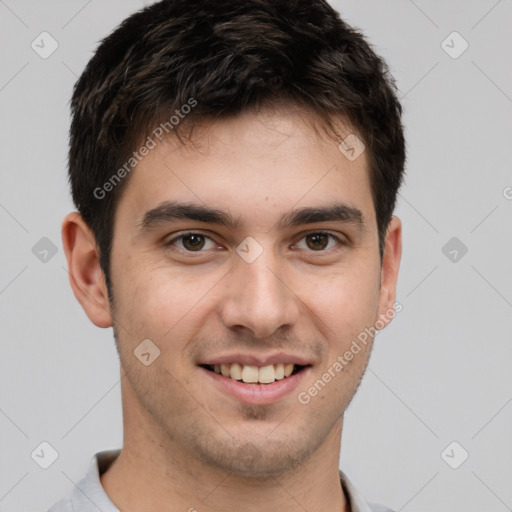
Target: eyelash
x: 190, y: 233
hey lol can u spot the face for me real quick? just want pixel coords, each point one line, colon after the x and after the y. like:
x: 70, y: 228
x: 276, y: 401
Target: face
x: 247, y: 254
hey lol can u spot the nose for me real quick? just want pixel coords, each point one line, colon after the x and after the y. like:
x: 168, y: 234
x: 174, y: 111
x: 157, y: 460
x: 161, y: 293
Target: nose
x: 258, y: 297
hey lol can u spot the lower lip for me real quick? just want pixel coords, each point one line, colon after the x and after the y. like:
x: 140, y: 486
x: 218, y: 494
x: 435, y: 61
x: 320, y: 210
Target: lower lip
x: 257, y: 394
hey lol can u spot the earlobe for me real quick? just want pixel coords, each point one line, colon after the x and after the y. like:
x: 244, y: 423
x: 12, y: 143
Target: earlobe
x: 85, y: 275
x: 389, y: 270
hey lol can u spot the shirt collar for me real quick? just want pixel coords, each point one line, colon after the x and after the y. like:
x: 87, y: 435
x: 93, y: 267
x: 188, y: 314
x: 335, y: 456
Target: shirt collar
x: 89, y: 494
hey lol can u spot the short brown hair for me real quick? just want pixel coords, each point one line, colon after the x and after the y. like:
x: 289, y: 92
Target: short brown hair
x: 225, y: 57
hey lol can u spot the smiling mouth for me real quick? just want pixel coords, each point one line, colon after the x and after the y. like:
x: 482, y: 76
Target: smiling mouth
x: 250, y: 374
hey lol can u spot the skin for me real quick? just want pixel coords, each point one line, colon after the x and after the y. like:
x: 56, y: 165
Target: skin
x: 187, y: 444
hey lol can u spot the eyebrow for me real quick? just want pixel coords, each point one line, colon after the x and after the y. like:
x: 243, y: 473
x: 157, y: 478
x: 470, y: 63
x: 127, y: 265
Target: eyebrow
x: 169, y: 211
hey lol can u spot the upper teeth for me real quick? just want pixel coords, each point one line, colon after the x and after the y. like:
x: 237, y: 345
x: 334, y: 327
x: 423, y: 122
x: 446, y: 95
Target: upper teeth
x: 253, y: 374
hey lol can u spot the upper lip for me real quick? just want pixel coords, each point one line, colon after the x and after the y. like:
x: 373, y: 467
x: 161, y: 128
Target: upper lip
x: 256, y: 359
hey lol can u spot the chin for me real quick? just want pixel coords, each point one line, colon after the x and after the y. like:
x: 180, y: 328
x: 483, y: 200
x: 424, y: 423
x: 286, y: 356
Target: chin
x: 258, y: 458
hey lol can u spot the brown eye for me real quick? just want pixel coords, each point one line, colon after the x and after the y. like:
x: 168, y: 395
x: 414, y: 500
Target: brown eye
x: 317, y: 241
x: 192, y: 242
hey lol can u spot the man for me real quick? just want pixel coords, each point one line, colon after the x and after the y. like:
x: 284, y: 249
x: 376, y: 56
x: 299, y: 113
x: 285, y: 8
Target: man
x: 235, y: 167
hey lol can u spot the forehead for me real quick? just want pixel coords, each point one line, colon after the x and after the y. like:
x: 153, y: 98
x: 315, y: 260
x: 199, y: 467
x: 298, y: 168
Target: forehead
x: 255, y: 166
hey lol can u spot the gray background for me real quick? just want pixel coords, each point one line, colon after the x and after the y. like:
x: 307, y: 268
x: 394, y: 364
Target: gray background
x: 439, y: 373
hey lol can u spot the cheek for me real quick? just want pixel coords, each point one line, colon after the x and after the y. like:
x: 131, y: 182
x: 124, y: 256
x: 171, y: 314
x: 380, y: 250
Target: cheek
x: 345, y: 302
x: 161, y: 304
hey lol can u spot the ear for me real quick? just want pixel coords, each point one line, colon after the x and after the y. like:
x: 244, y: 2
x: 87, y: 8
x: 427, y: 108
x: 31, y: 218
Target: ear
x: 85, y: 275
x: 389, y: 271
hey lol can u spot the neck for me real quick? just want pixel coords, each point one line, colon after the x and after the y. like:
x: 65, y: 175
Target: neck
x: 154, y: 472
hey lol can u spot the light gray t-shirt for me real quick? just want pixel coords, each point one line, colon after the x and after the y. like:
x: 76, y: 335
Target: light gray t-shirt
x: 89, y: 495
